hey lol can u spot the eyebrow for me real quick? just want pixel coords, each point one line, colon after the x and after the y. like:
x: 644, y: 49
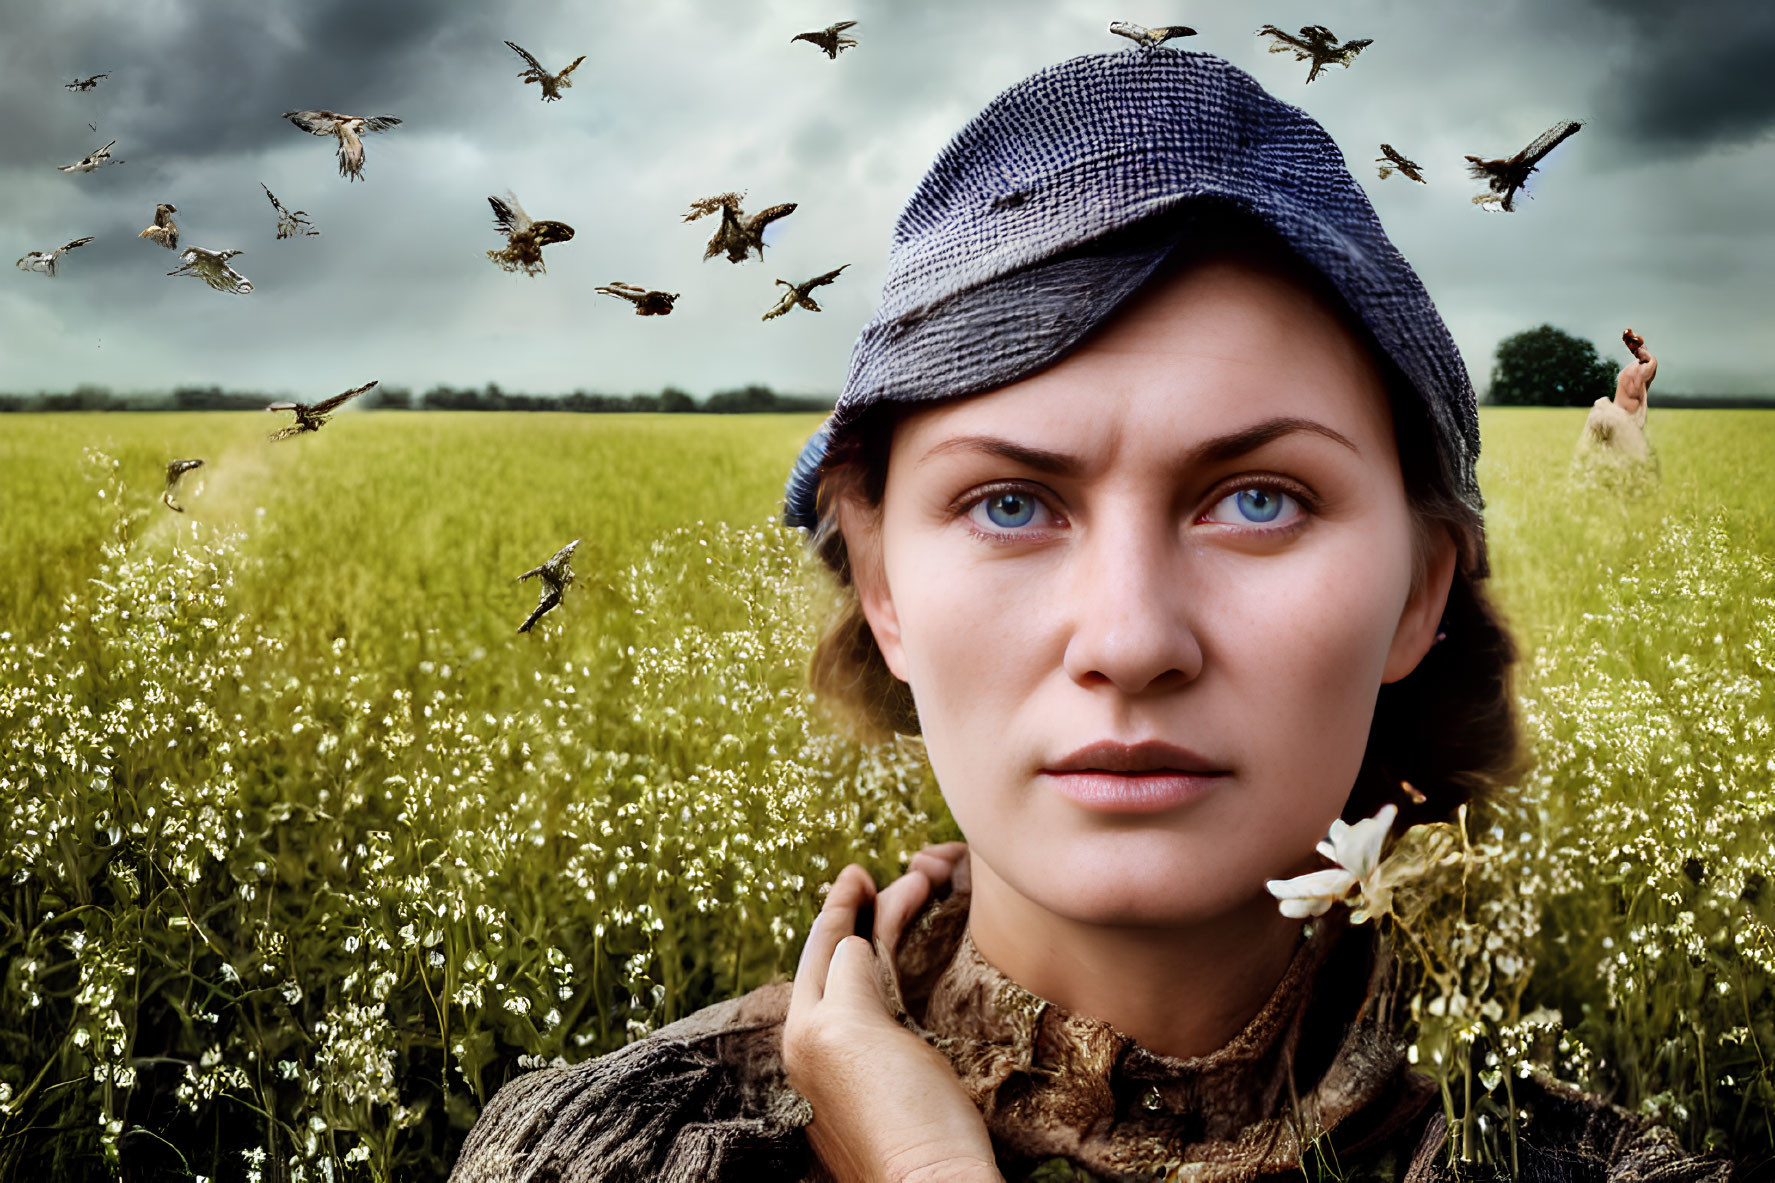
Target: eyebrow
x: 1217, y: 450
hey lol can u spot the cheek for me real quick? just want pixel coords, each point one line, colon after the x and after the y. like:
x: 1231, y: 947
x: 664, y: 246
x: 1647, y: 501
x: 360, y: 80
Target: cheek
x: 981, y: 652
x: 1302, y: 643
x: 976, y: 638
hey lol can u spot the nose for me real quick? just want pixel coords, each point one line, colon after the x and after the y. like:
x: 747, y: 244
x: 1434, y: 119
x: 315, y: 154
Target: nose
x: 1131, y: 622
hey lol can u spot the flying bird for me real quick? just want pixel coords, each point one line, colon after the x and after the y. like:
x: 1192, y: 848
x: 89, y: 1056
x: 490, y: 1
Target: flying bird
x: 174, y: 471
x: 1393, y: 161
x: 290, y: 225
x: 88, y: 163
x: 45, y: 262
x: 1315, y: 42
x: 212, y: 267
x: 163, y: 231
x: 310, y: 416
x: 347, y: 130
x: 1504, y: 177
x: 555, y: 574
x: 1149, y: 38
x: 93, y: 127
x: 80, y: 84
x: 525, y: 237
x: 831, y: 39
x: 737, y: 234
x: 646, y: 303
x: 798, y: 294
x: 552, y: 84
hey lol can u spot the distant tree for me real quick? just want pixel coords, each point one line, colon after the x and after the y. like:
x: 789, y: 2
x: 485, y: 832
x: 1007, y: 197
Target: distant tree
x: 675, y: 400
x: 746, y: 399
x: 1545, y: 367
x: 85, y: 397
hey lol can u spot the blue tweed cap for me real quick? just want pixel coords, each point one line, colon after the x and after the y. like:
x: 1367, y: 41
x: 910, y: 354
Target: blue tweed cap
x: 1011, y: 250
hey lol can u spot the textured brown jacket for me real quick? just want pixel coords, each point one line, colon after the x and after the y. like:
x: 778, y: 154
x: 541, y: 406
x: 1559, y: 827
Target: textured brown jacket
x: 1315, y: 1085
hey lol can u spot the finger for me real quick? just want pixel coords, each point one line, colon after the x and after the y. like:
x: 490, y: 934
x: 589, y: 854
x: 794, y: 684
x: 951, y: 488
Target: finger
x: 949, y: 852
x: 936, y: 868
x: 853, y: 981
x: 837, y: 920
x: 898, y: 902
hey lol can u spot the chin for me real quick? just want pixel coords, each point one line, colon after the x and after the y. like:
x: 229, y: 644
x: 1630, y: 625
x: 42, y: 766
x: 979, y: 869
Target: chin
x: 1136, y: 894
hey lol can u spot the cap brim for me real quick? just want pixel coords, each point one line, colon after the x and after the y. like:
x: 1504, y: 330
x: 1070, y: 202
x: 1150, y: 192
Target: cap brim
x: 989, y: 336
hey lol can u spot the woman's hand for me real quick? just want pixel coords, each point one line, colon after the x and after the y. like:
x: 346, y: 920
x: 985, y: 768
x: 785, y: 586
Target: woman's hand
x: 887, y: 1105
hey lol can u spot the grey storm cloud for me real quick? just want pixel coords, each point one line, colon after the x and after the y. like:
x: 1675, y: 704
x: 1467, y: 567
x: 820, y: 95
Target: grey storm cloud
x: 1692, y: 76
x: 1653, y: 216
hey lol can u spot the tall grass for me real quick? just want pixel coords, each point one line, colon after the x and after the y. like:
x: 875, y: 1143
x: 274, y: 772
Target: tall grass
x: 306, y: 851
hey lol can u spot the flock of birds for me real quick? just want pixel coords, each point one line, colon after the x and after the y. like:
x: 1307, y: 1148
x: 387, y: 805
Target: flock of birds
x: 1504, y: 176
x: 738, y: 234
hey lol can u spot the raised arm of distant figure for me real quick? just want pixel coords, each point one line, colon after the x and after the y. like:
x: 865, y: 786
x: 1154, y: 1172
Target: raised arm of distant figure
x: 1633, y: 385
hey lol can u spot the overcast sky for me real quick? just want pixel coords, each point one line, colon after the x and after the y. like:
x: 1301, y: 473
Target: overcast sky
x: 1656, y: 215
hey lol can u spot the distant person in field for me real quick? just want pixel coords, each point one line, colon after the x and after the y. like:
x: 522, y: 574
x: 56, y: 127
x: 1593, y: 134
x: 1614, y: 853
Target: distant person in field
x: 1618, y: 425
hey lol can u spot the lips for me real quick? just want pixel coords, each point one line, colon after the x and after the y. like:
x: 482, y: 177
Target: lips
x: 1148, y: 777
x: 1148, y: 756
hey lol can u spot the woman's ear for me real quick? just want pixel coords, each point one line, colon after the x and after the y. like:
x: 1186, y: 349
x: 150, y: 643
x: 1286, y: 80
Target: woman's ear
x: 862, y: 543
x: 1422, y: 617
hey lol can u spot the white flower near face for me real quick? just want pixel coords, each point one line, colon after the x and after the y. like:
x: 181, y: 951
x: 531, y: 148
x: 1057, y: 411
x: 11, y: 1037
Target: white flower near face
x: 1357, y: 852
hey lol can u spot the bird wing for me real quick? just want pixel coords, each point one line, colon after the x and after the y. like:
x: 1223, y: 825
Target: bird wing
x: 535, y: 66
x: 820, y: 280
x: 275, y: 203
x: 320, y: 123
x: 550, y: 598
x: 284, y: 406
x: 1483, y: 169
x: 561, y: 79
x: 841, y: 26
x: 1547, y: 141
x: 224, y: 278
x: 68, y: 246
x: 765, y: 217
x: 565, y: 553
x: 548, y: 231
x: 1128, y: 29
x: 633, y: 295
x: 708, y: 205
x: 509, y: 216
x: 1285, y: 41
x: 378, y: 122
x: 1350, y: 49
x: 338, y: 400
x: 783, y: 305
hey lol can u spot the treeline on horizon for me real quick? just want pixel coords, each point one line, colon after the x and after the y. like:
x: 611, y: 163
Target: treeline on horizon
x: 751, y: 399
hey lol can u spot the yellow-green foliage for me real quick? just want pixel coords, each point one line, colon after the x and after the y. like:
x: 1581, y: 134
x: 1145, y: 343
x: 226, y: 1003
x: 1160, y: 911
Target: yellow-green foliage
x: 306, y: 850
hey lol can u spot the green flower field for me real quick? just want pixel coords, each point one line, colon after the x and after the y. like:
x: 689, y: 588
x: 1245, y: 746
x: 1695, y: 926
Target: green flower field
x: 304, y: 850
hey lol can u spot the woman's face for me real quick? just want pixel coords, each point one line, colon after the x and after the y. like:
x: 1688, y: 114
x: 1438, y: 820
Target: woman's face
x: 1191, y: 532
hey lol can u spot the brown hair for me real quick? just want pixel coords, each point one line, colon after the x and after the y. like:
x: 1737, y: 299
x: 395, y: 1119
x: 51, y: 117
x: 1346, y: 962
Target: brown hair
x: 1450, y: 727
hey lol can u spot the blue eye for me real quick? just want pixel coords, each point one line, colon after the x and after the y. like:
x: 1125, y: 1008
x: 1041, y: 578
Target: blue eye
x: 1010, y: 509
x: 1258, y: 505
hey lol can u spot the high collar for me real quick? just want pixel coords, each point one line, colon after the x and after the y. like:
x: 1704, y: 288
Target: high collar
x: 1321, y: 1054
